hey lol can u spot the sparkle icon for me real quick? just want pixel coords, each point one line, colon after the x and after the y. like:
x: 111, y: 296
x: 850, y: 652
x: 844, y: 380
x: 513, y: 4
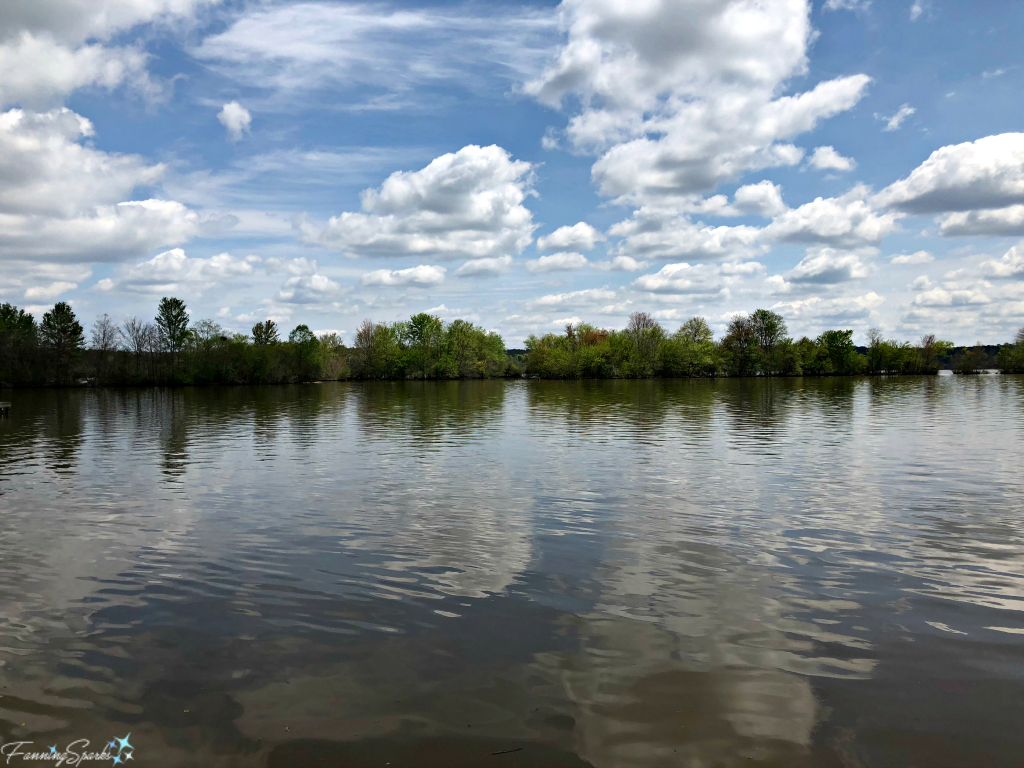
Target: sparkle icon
x: 117, y: 760
x: 53, y: 750
x: 128, y: 756
x: 122, y: 744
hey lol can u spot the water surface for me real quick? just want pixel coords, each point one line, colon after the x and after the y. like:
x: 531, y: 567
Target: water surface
x: 662, y: 573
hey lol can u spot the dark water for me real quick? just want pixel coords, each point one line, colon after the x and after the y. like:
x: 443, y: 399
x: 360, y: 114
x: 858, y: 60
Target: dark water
x: 672, y: 573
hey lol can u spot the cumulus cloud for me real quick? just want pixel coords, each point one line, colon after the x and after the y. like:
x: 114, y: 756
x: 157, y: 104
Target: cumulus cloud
x: 918, y: 257
x: 761, y: 199
x: 172, y: 271
x: 584, y: 298
x: 236, y: 119
x: 826, y: 266
x: 307, y: 289
x: 49, y: 48
x: 999, y: 222
x: 894, y: 121
x: 846, y: 221
x: 987, y: 173
x: 620, y: 264
x: 817, y: 311
x: 466, y: 204
x: 59, y: 198
x: 421, y: 276
x: 558, y: 262
x: 916, y: 9
x: 36, y: 71
x: 944, y: 297
x: 578, y: 237
x: 1010, y: 266
x: 827, y: 159
x: 657, y: 234
x: 679, y: 97
x: 489, y: 267
x: 683, y: 278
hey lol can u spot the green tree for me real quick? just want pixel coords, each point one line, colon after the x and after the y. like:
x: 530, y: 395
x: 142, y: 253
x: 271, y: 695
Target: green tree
x: 1011, y: 356
x: 265, y: 334
x: 645, y: 337
x: 741, y: 348
x: 769, y: 328
x: 840, y: 352
x: 17, y: 344
x: 307, y: 349
x: 62, y: 334
x: 172, y: 324
x: 424, y: 336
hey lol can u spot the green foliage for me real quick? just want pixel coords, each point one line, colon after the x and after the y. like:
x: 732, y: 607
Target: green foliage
x: 1011, y: 356
x: 61, y: 335
x: 265, y: 334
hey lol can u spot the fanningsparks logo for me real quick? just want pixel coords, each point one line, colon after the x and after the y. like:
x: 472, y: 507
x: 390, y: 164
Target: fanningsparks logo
x: 116, y: 751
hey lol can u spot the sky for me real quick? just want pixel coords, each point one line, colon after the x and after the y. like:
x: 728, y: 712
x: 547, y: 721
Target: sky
x: 847, y: 163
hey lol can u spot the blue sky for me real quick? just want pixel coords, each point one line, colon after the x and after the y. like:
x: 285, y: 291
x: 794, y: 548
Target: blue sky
x: 850, y: 164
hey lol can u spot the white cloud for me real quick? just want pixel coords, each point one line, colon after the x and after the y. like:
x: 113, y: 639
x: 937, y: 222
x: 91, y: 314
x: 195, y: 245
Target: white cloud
x: 761, y: 199
x: 656, y: 234
x: 108, y: 233
x: 49, y: 48
x: 826, y: 266
x: 821, y: 312
x: 375, y: 56
x: 943, y: 297
x: 918, y: 257
x: 1010, y: 266
x: 307, y: 289
x: 488, y: 267
x: 917, y: 8
x: 59, y: 199
x: 620, y: 264
x: 51, y: 291
x: 578, y: 237
x: 558, y: 262
x: 705, y: 279
x: 987, y: 173
x: 420, y: 276
x: 236, y: 119
x: 679, y: 97
x: 846, y: 5
x: 37, y: 71
x: 1000, y: 222
x: 993, y: 73
x: 467, y: 204
x: 584, y: 298
x: 895, y: 120
x: 827, y: 159
x: 174, y: 271
x: 44, y: 169
x: 846, y: 221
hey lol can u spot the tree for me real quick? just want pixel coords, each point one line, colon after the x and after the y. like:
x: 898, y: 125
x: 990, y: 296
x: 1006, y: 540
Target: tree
x: 741, y: 347
x: 307, y: 348
x: 646, y: 336
x: 265, y: 334
x: 770, y: 331
x: 105, y: 339
x: 172, y: 325
x: 424, y: 335
x: 62, y: 334
x: 17, y: 344
x: 841, y: 354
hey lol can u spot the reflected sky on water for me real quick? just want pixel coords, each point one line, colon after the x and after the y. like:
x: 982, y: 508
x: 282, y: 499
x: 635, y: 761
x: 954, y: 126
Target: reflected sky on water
x: 614, y: 573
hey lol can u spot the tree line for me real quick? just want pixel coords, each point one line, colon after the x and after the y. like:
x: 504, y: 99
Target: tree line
x: 754, y: 345
x: 172, y: 349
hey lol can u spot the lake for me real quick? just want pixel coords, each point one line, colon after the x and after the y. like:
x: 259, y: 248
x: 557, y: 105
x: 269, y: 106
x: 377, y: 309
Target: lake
x: 817, y: 572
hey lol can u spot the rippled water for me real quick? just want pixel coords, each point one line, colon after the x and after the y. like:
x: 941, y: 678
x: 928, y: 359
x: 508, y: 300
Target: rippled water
x: 668, y: 573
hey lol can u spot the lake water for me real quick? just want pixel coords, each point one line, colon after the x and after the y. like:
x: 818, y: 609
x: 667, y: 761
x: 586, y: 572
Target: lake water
x: 660, y: 573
